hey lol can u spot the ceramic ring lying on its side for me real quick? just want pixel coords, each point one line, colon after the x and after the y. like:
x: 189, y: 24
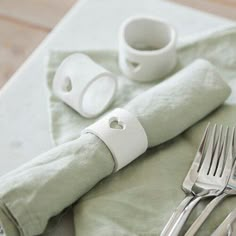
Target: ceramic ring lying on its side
x: 147, y: 48
x: 84, y: 85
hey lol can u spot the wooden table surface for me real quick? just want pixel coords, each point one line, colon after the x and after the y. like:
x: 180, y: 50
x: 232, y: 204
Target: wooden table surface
x: 24, y: 24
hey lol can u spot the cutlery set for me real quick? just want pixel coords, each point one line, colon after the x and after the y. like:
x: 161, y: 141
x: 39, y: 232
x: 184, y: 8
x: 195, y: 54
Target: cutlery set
x: 212, y: 175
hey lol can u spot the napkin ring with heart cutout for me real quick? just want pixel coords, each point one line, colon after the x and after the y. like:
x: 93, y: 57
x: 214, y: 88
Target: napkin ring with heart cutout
x: 147, y: 48
x: 123, y: 134
x: 84, y: 85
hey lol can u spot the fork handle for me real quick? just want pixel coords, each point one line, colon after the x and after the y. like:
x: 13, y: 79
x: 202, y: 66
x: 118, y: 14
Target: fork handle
x: 205, y: 213
x: 176, y: 215
x: 184, y: 216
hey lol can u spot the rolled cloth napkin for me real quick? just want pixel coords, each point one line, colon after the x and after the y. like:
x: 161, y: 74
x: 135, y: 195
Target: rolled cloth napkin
x: 42, y: 188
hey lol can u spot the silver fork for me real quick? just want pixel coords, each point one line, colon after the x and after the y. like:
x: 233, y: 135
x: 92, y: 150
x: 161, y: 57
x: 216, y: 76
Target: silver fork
x: 228, y: 191
x: 188, y: 183
x: 213, y: 174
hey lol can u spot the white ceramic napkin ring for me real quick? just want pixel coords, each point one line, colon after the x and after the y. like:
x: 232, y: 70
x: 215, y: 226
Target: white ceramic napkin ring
x: 84, y: 85
x: 123, y: 134
x: 147, y: 48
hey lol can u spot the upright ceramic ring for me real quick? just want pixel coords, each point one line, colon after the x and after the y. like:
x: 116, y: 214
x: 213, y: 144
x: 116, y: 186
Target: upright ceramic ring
x: 84, y: 85
x: 147, y: 48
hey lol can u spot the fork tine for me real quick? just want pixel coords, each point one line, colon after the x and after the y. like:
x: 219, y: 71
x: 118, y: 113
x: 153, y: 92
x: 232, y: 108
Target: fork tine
x: 201, y: 149
x: 209, y: 152
x: 230, y: 155
x: 215, y: 159
x: 204, y: 139
x: 233, y: 171
x: 221, y: 162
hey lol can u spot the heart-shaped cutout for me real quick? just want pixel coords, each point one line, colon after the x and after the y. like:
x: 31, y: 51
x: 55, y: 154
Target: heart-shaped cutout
x: 116, y: 124
x: 67, y: 86
x: 134, y: 66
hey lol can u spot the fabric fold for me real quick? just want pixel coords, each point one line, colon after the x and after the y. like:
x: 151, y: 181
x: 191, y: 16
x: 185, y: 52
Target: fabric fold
x: 43, y: 187
x: 177, y: 103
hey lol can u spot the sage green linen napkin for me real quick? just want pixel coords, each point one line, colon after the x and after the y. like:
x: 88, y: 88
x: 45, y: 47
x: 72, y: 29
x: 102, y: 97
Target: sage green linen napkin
x: 135, y: 201
x: 139, y: 199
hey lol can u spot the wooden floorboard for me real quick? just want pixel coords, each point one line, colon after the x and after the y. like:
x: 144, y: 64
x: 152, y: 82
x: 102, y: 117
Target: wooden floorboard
x: 24, y: 23
x: 45, y: 13
x: 17, y: 41
x: 224, y: 8
x: 230, y: 3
